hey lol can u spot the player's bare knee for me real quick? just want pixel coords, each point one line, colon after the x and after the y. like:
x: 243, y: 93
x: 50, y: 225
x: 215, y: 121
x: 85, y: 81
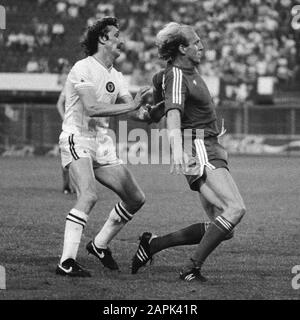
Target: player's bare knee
x: 141, y: 199
x: 237, y: 211
x: 242, y: 211
x: 138, y: 201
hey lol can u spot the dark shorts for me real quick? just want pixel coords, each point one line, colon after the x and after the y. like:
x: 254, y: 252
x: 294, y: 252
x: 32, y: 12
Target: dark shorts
x: 204, y: 155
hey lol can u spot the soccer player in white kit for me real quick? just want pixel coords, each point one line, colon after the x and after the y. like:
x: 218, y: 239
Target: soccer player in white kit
x: 92, y: 88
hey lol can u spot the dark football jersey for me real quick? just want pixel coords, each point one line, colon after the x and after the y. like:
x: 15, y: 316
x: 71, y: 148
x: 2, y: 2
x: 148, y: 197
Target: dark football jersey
x: 185, y: 90
x: 157, y: 80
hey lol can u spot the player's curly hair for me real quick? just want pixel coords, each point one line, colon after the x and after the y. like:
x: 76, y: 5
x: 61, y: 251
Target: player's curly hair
x: 169, y: 39
x: 96, y: 30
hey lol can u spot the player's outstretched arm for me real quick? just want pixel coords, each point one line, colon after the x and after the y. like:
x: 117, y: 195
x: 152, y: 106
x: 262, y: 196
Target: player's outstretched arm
x: 95, y: 108
x: 141, y: 114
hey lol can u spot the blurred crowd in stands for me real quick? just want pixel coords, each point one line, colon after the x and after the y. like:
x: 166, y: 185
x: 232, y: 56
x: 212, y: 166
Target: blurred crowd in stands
x: 243, y: 38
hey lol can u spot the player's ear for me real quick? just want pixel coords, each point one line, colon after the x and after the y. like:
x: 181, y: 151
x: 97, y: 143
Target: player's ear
x: 182, y: 49
x: 103, y: 39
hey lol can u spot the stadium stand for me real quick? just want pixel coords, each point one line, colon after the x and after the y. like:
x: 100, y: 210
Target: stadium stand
x: 250, y: 46
x: 244, y: 39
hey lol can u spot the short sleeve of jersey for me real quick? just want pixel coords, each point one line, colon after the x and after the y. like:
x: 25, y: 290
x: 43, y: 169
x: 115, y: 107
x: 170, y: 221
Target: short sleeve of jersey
x: 157, y: 82
x: 175, y: 90
x: 124, y: 88
x: 79, y: 73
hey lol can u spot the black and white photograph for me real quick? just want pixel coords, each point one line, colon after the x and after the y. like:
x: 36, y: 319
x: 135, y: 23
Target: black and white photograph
x: 149, y: 151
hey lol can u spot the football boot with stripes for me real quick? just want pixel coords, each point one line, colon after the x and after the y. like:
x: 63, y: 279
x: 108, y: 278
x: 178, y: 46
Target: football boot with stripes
x: 71, y: 268
x: 104, y: 255
x: 142, y: 255
x: 192, y: 274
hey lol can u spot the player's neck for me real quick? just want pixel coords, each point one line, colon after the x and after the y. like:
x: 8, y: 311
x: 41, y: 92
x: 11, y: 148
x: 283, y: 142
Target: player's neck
x: 181, y: 62
x: 104, y: 59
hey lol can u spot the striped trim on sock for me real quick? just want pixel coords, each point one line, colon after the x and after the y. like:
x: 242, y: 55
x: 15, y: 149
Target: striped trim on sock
x: 78, y: 217
x: 224, y: 224
x: 122, y: 212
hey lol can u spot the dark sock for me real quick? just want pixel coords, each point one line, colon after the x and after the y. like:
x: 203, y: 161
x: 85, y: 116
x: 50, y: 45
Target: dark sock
x: 215, y: 233
x: 187, y: 236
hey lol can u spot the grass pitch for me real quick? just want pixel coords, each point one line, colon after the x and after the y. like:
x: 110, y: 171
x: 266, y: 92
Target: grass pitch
x: 256, y: 264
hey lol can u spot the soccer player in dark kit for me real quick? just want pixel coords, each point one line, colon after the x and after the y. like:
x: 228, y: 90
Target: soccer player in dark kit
x: 189, y: 110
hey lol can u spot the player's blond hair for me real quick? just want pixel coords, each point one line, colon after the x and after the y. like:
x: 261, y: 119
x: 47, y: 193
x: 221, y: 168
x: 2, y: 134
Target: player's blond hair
x: 169, y: 38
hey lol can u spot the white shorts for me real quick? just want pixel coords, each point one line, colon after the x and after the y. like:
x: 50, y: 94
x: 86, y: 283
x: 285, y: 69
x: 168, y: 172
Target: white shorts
x: 101, y: 151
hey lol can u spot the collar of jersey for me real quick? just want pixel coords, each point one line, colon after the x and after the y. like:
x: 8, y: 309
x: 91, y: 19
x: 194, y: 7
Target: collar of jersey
x: 102, y: 64
x: 189, y: 70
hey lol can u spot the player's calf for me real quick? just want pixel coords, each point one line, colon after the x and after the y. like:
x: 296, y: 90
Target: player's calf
x: 88, y: 199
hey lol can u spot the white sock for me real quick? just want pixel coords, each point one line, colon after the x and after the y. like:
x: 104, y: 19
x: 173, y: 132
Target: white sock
x: 117, y: 219
x: 75, y: 222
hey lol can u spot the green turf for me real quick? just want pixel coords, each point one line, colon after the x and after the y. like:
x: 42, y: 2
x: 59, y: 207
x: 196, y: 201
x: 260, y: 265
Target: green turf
x: 256, y: 264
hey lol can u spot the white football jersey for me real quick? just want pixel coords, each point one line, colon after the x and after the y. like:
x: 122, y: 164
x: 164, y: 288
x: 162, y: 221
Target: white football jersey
x: 109, y: 84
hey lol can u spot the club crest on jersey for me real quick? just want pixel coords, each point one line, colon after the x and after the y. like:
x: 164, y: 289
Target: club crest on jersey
x: 110, y: 87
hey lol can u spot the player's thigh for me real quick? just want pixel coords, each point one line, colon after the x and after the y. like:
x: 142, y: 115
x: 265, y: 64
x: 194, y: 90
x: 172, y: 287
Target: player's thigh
x: 210, y: 209
x: 220, y: 187
x: 121, y: 181
x: 82, y: 176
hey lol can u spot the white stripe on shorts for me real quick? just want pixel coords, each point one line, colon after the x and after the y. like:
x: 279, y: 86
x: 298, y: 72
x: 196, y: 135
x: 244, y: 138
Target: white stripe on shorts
x: 202, y: 156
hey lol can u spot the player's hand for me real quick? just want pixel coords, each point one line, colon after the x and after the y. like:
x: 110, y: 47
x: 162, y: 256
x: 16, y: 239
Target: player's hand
x: 179, y: 162
x: 150, y: 107
x: 143, y: 113
x: 149, y: 112
x: 138, y: 99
